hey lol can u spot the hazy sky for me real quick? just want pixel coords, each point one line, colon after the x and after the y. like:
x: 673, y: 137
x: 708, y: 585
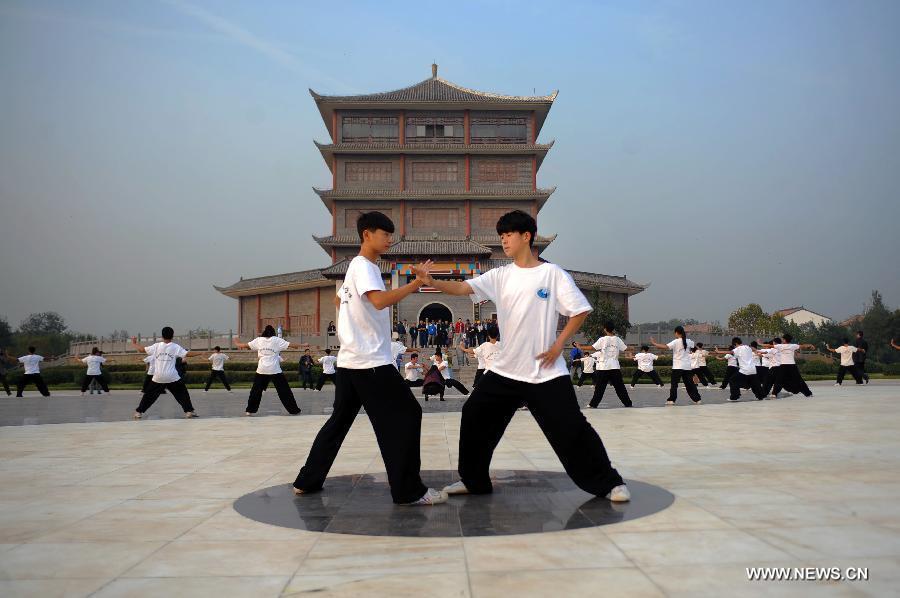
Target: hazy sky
x: 726, y: 152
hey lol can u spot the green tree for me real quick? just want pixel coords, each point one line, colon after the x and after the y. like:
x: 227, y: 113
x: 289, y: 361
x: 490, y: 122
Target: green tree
x: 876, y: 324
x: 751, y: 318
x: 604, y: 311
x: 6, y: 333
x: 43, y: 323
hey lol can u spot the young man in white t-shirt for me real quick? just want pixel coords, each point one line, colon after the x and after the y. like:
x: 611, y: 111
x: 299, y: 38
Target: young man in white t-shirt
x: 414, y: 371
x: 530, y: 295
x: 446, y: 371
x: 328, y: 362
x: 268, y: 348
x: 94, y: 361
x: 32, y: 363
x: 367, y: 377
x: 681, y: 347
x: 486, y: 352
x: 731, y: 367
x: 165, y: 376
x: 588, y: 365
x: 607, y: 368
x: 789, y: 377
x: 746, y: 359
x: 846, y: 352
x: 217, y: 369
x: 644, y: 361
x: 770, y: 360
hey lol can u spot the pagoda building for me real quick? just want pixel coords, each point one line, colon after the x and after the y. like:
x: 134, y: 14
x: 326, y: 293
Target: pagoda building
x: 444, y: 162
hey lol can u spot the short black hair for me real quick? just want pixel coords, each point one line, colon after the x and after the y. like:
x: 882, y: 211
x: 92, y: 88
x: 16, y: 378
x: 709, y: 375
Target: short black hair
x: 754, y: 344
x: 776, y: 341
x: 217, y: 348
x: 95, y: 351
x: 167, y: 333
x: 373, y: 221
x: 414, y: 356
x: 328, y: 351
x: 517, y: 221
x: 699, y: 345
x: 859, y: 332
x: 609, y: 326
x: 31, y: 349
x: 787, y: 337
x: 737, y: 341
x: 645, y: 348
x: 268, y: 331
x: 845, y: 341
x: 493, y: 332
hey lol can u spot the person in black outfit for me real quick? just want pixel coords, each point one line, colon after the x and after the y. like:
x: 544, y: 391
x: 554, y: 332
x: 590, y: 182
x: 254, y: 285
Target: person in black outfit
x: 859, y: 358
x: 306, y: 365
x: 4, y: 359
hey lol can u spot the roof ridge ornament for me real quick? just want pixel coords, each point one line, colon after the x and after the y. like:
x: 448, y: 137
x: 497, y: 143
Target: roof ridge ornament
x: 434, y: 68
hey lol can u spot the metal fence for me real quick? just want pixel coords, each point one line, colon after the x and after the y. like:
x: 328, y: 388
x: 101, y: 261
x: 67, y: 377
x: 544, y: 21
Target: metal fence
x: 190, y: 341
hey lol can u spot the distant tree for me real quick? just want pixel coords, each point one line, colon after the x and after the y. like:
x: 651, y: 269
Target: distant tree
x: 604, y: 311
x: 6, y: 332
x: 877, y: 326
x: 118, y: 335
x: 751, y: 318
x: 47, y: 322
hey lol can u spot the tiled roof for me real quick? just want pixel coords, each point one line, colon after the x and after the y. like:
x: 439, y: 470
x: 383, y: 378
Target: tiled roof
x: 435, y: 193
x: 787, y: 311
x: 437, y: 90
x: 540, y: 149
x: 494, y: 240
x: 340, y: 268
x: 438, y: 247
x: 481, y: 240
x: 274, y: 281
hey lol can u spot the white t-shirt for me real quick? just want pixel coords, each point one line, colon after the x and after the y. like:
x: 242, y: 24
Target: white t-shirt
x: 701, y: 357
x: 364, y: 332
x: 32, y: 363
x: 164, y: 356
x: 529, y: 302
x: 444, y: 368
x: 609, y: 348
x: 413, y: 371
x: 730, y: 361
x: 487, y: 353
x: 695, y: 360
x: 767, y: 358
x: 645, y: 361
x: 93, y: 364
x: 397, y: 349
x: 786, y: 353
x: 328, y: 362
x: 218, y: 361
x: 746, y: 359
x: 149, y: 361
x: 268, y: 349
x: 589, y: 363
x: 681, y: 355
x: 846, y: 353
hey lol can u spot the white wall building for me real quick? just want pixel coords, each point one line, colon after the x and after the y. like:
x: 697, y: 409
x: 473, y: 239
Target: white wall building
x: 801, y: 315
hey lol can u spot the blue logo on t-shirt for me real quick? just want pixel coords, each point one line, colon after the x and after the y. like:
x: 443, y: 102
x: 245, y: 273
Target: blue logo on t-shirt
x: 543, y: 293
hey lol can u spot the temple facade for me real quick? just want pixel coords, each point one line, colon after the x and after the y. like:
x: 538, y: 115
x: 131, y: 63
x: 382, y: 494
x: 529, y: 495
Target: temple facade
x: 444, y: 163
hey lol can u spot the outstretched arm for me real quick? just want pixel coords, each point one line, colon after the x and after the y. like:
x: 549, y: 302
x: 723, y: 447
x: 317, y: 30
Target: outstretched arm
x: 658, y: 345
x: 895, y: 345
x: 238, y: 344
x: 382, y: 299
x: 548, y: 357
x: 136, y: 346
x: 451, y: 287
x: 827, y: 346
x: 808, y: 346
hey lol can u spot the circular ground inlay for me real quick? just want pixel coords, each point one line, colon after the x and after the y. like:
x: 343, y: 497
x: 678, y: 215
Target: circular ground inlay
x: 523, y: 502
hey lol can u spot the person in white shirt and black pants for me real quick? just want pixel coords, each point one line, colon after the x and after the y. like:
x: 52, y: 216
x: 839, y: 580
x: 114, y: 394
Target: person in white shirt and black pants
x: 269, y: 347
x: 746, y: 376
x: 94, y: 362
x: 644, y: 361
x: 217, y: 370
x: 165, y: 376
x: 607, y: 369
x: 328, y: 362
x: 681, y: 347
x: 32, y: 363
x: 847, y: 354
x: 530, y: 295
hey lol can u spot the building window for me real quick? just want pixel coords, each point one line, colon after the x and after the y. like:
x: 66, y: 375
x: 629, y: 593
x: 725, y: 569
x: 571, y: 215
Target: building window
x: 435, y: 218
x: 352, y: 215
x: 435, y: 172
x: 499, y: 129
x: 434, y: 129
x: 367, y: 172
x: 498, y: 171
x: 488, y: 217
x: 369, y: 129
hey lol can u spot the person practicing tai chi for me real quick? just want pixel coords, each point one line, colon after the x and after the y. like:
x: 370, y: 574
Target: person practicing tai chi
x: 588, y: 368
x: 32, y: 364
x: 328, y: 362
x: 165, y: 375
x: 746, y: 376
x: 5, y: 359
x: 217, y: 370
x: 94, y: 361
x: 770, y: 387
x: 148, y: 377
x: 704, y: 374
x: 848, y: 364
x: 485, y: 353
x: 644, y: 361
x: 269, y: 347
x: 789, y: 377
x: 607, y: 369
x: 681, y: 365
x: 731, y: 366
x: 367, y: 377
x: 446, y: 371
x: 859, y: 358
x: 414, y: 371
x: 894, y: 345
x: 530, y: 295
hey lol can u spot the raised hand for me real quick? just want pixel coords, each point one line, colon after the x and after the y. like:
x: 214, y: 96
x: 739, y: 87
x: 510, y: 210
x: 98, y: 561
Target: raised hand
x: 423, y: 271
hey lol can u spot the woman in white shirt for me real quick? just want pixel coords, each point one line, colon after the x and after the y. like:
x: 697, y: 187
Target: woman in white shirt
x: 789, y: 377
x: 846, y: 352
x: 269, y: 348
x: 608, y: 371
x: 681, y: 365
x: 94, y: 372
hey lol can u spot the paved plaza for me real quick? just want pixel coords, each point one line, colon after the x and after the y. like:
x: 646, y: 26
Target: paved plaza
x: 123, y: 508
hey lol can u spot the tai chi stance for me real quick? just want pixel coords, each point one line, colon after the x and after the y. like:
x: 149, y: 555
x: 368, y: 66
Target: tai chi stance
x: 269, y: 347
x: 165, y: 375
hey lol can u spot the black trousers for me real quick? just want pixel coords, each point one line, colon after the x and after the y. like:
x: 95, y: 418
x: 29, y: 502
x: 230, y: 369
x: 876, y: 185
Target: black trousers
x: 854, y: 371
x: 686, y: 377
x: 554, y: 406
x: 613, y: 377
x: 457, y: 385
x: 220, y: 374
x: 98, y: 378
x: 285, y: 394
x: 729, y: 372
x: 396, y: 418
x: 739, y: 380
x: 700, y: 378
x: 478, y: 374
x: 652, y: 373
x: 414, y: 384
x: 323, y: 377
x: 771, y: 382
x: 789, y: 378
x: 5, y: 384
x: 306, y: 378
x: 38, y: 382
x: 584, y: 375
x: 861, y: 368
x: 707, y: 374
x: 178, y: 390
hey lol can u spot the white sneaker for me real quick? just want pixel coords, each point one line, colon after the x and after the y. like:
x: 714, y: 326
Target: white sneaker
x: 190, y: 415
x: 837, y: 383
x: 431, y: 497
x: 456, y: 488
x: 670, y: 403
x: 247, y: 414
x: 619, y: 494
x: 632, y: 386
x: 659, y: 386
x: 137, y: 415
x: 205, y: 390
x: 698, y: 402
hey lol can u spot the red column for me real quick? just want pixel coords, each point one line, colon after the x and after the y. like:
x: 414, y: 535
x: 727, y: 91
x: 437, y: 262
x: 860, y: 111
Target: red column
x: 333, y: 255
x: 240, y: 316
x: 467, y: 172
x: 403, y: 173
x: 402, y: 136
x: 258, y: 313
x: 468, y: 217
x: 333, y: 219
x: 334, y: 172
x: 318, y: 309
x: 402, y: 217
x: 334, y: 125
x: 534, y: 173
x: 287, y: 310
x: 466, y: 123
x: 533, y: 127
